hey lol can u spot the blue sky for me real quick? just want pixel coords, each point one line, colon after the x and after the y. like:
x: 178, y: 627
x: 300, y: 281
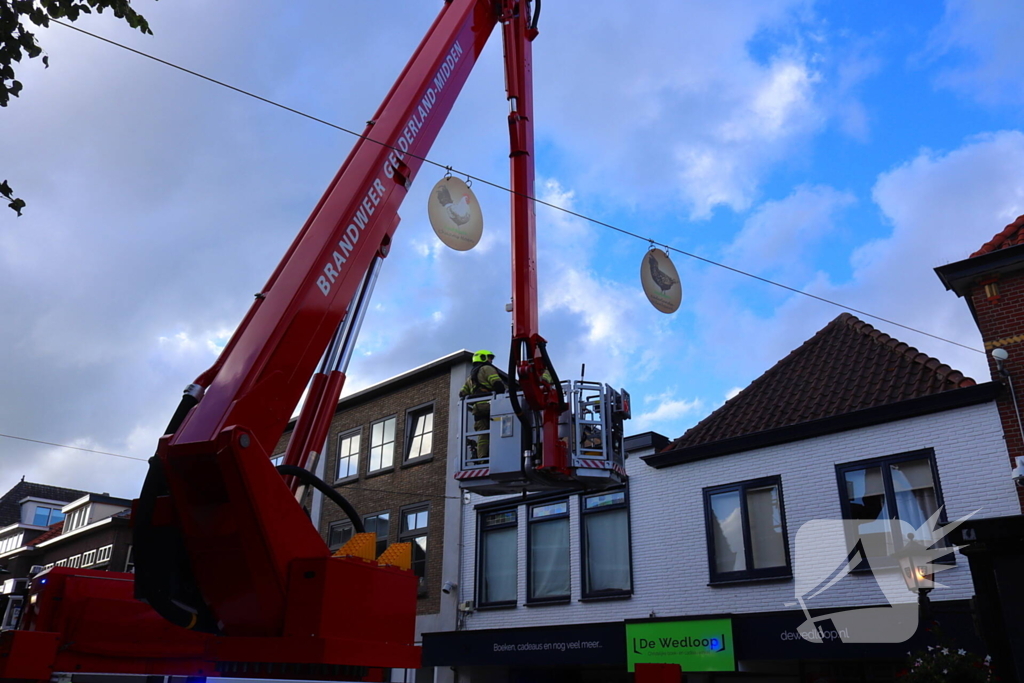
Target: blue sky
x: 844, y: 149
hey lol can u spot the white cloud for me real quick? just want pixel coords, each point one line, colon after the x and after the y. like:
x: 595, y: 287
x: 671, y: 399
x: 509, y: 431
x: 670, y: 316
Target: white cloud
x: 982, y: 38
x: 687, y: 101
x: 733, y: 393
x: 780, y: 236
x: 667, y: 413
x: 941, y: 208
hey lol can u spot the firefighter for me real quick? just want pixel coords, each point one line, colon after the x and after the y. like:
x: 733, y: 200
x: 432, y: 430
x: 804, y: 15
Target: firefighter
x: 483, y: 380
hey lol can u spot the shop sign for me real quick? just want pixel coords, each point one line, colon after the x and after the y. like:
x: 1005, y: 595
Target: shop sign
x: 696, y: 645
x: 564, y: 645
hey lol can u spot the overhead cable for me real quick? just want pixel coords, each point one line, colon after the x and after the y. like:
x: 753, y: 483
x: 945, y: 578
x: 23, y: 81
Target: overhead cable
x: 499, y: 186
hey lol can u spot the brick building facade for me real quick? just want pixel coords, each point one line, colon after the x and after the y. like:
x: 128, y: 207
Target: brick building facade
x: 991, y: 281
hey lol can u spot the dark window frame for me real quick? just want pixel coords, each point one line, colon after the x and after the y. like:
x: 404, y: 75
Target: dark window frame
x: 409, y: 536
x: 386, y: 539
x: 339, y: 524
x: 480, y: 531
x: 882, y: 462
x: 746, y: 575
x: 596, y: 595
x: 530, y: 522
x: 410, y: 422
x: 341, y: 436
x: 370, y: 447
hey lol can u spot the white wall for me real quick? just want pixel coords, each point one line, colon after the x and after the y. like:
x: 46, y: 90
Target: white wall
x: 670, y: 569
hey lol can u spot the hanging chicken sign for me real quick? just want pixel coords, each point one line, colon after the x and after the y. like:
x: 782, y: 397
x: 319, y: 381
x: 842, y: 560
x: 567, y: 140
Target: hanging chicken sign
x: 661, y: 281
x: 455, y: 214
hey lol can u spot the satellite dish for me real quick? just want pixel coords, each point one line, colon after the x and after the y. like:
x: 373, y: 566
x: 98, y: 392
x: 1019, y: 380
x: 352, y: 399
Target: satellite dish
x: 661, y: 281
x: 455, y: 214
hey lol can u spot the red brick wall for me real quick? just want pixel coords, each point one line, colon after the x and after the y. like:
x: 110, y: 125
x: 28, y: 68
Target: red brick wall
x: 1001, y: 323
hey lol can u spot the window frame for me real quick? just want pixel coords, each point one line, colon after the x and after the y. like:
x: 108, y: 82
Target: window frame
x: 530, y: 523
x: 751, y: 574
x: 410, y: 536
x: 584, y: 550
x: 387, y: 538
x: 342, y: 436
x: 883, y: 463
x: 49, y: 515
x: 370, y: 447
x: 480, y: 531
x: 339, y: 524
x: 410, y: 422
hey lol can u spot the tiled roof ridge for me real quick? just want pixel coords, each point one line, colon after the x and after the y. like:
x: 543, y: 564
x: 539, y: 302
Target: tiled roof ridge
x: 944, y: 371
x: 1009, y: 236
x: 757, y: 407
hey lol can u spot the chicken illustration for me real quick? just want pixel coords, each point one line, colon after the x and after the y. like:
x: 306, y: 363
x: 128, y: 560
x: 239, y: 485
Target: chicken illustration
x: 459, y: 212
x: 663, y: 281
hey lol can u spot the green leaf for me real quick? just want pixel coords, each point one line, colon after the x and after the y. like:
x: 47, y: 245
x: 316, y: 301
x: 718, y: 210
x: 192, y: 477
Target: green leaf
x: 17, y: 205
x: 6, y: 190
x: 46, y: 61
x: 15, y: 88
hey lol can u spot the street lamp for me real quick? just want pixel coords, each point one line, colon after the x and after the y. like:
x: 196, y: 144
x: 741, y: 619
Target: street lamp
x: 915, y: 565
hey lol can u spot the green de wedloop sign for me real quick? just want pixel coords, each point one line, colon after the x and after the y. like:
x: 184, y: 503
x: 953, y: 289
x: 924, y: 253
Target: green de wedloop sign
x: 699, y: 645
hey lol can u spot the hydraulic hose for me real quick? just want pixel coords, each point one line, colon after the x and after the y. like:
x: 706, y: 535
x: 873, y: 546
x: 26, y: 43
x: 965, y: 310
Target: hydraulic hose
x: 310, y: 479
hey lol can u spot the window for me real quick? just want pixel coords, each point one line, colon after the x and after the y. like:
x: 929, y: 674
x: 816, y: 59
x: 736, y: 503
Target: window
x: 11, y: 542
x: 338, y: 534
x: 605, y: 543
x: 746, y: 530
x: 89, y: 558
x: 75, y: 561
x: 103, y: 554
x: 547, y: 576
x: 382, y: 444
x: 77, y: 519
x: 878, y: 492
x: 46, y: 516
x: 348, y: 455
x: 498, y: 561
x: 420, y: 431
x: 379, y: 524
x: 414, y: 530
x: 129, y: 563
x: 276, y: 460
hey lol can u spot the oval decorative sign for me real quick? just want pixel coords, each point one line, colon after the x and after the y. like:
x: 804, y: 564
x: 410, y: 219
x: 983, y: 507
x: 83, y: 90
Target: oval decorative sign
x: 455, y: 214
x: 661, y: 281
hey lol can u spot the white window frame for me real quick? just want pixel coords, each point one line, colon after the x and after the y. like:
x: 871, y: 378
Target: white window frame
x: 351, y: 458
x: 378, y: 451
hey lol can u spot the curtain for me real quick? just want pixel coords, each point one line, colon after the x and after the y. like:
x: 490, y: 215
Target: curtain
x: 549, y: 558
x: 607, y: 539
x: 499, y: 565
x: 766, y: 543
x: 728, y: 532
x: 915, y: 494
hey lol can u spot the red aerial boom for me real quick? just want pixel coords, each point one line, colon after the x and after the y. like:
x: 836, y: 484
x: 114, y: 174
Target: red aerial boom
x: 231, y: 578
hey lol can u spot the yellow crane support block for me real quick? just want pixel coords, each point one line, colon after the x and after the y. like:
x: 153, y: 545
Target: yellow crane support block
x: 397, y: 555
x: 360, y: 545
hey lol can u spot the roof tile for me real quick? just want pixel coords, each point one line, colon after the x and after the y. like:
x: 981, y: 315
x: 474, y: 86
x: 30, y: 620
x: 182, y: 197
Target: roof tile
x: 1010, y: 236
x: 848, y: 365
x: 10, y: 508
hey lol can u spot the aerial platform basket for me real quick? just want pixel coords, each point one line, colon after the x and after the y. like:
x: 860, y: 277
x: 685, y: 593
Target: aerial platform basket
x: 495, y: 461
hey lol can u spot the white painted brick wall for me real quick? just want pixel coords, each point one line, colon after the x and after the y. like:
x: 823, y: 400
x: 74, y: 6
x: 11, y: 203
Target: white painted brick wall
x: 670, y: 567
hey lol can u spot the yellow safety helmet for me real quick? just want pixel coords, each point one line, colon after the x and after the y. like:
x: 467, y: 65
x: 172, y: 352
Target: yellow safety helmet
x: 482, y: 356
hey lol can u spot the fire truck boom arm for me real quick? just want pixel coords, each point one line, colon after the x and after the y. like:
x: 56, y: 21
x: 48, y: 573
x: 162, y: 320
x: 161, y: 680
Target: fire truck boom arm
x: 235, y: 517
